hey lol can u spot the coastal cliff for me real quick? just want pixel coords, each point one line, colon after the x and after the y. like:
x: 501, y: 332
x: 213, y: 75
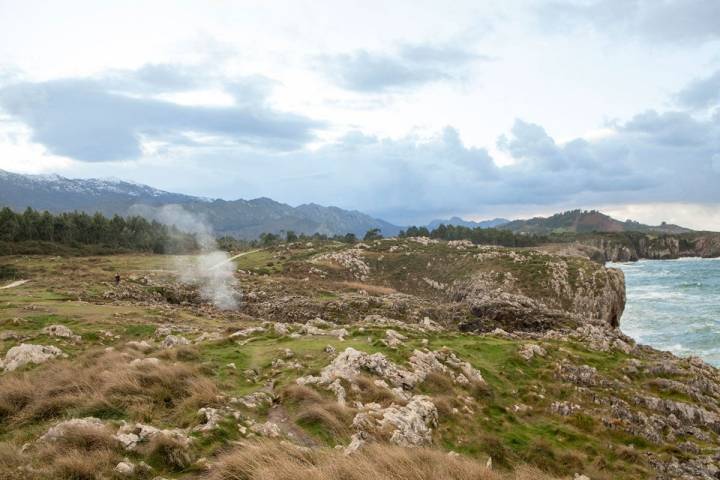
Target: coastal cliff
x: 633, y: 246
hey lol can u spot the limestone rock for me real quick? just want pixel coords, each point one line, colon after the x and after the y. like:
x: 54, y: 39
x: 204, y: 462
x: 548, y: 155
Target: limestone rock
x: 412, y: 422
x: 393, y: 339
x: 130, y: 435
x: 58, y: 431
x: 254, y: 400
x: 247, y: 332
x: 60, y: 331
x: 408, y: 425
x: 529, y: 350
x: 210, y: 418
x: 267, y: 429
x: 171, y: 341
x: 564, y: 408
x: 25, y: 353
x: 125, y: 468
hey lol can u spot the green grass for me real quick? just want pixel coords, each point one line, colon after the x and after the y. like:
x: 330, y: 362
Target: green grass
x: 262, y: 262
x: 140, y: 330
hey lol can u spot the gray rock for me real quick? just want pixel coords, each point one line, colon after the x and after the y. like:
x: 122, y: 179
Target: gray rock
x: 25, y: 353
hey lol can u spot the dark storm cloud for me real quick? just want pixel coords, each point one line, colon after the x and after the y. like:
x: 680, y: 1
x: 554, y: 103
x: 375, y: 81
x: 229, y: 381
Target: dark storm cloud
x: 653, y: 157
x: 411, y: 66
x: 104, y: 119
x: 666, y: 157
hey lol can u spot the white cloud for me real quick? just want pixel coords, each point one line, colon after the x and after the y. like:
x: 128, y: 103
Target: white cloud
x: 181, y: 97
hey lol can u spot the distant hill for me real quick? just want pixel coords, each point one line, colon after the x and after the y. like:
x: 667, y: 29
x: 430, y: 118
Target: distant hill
x: 459, y: 222
x: 241, y: 218
x: 584, y: 221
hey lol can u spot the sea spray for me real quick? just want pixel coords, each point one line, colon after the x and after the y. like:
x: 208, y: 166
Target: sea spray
x: 211, y: 269
x: 674, y: 305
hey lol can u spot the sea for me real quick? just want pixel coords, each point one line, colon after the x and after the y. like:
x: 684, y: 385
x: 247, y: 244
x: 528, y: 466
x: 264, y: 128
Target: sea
x: 674, y: 305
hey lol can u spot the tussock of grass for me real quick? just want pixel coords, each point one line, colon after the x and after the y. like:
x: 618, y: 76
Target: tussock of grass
x: 103, y: 382
x: 371, y: 393
x: 87, y: 438
x: 295, y: 394
x: 82, y: 454
x: 274, y: 461
x: 330, y: 418
x: 169, y: 452
x: 438, y: 383
x: 80, y: 465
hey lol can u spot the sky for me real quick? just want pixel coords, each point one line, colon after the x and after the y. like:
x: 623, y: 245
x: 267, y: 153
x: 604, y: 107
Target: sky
x: 407, y: 110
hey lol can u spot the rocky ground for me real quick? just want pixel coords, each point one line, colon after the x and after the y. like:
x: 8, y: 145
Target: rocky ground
x: 463, y: 361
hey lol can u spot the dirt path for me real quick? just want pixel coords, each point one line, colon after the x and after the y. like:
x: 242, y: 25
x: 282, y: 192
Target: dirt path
x: 280, y: 417
x: 233, y: 258
x: 14, y: 284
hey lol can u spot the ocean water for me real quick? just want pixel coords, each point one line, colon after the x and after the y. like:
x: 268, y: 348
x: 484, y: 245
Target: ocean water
x: 674, y: 305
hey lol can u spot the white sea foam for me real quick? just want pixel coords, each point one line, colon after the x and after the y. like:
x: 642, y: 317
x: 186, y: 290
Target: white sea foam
x: 674, y: 305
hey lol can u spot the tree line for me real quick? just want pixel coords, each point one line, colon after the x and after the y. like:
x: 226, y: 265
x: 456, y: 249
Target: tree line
x: 478, y: 235
x: 78, y: 230
x: 42, y: 232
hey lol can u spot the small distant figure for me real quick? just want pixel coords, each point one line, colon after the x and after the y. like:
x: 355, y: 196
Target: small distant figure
x: 117, y: 279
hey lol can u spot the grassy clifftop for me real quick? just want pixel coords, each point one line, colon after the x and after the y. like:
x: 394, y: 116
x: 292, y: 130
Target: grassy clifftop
x: 397, y: 359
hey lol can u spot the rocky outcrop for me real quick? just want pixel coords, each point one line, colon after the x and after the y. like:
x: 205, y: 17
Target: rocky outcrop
x: 630, y: 247
x: 560, y: 292
x: 410, y: 425
x: 131, y: 435
x: 706, y: 246
x: 26, y: 353
x: 351, y: 363
x: 61, y: 331
x: 61, y: 430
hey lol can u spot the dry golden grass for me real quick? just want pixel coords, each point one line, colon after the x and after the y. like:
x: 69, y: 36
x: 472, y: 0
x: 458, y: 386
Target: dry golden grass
x: 83, y: 453
x: 86, y: 438
x: 101, y: 384
x: 295, y: 394
x: 436, y: 382
x: 331, y: 417
x: 275, y: 461
x: 170, y: 452
x: 369, y: 392
x: 80, y: 465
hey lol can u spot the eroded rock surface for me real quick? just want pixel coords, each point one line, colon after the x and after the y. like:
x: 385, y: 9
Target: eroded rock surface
x: 26, y: 353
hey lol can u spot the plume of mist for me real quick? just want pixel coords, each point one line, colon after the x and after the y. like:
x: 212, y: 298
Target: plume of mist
x: 211, y: 269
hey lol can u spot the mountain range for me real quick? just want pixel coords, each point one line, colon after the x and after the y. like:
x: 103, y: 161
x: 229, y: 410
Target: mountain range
x: 240, y: 218
x: 459, y: 222
x: 249, y: 218
x: 586, y: 221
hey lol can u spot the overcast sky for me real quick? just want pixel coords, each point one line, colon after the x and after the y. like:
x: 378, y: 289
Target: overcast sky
x: 407, y: 110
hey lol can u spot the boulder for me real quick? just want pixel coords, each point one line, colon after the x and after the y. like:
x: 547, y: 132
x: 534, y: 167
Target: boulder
x: 171, y: 341
x: 210, y: 418
x: 393, y: 339
x: 267, y: 429
x: 25, y: 353
x: 130, y: 435
x: 125, y: 469
x: 412, y: 423
x: 529, y: 350
x: 60, y: 331
x: 58, y: 431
